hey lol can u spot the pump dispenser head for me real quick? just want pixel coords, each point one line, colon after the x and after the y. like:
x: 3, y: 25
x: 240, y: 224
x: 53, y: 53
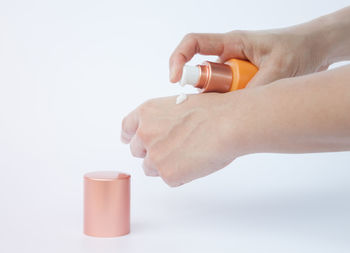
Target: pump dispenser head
x: 190, y: 75
x: 210, y: 76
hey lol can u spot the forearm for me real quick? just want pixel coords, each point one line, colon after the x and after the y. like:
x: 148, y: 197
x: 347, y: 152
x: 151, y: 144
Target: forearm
x: 331, y: 35
x: 338, y: 32
x: 296, y: 115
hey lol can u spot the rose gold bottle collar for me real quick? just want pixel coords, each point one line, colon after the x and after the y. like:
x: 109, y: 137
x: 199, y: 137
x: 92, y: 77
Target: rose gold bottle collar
x: 214, y: 77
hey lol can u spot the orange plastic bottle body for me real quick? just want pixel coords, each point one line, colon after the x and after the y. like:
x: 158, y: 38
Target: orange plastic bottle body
x: 242, y: 72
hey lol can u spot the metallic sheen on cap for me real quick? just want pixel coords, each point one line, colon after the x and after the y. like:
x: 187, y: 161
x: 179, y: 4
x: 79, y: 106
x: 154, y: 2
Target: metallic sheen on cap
x: 106, y: 204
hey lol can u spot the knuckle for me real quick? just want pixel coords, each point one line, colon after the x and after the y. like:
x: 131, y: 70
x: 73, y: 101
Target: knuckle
x: 124, y: 124
x: 166, y: 172
x: 150, y: 172
x: 237, y: 33
x: 190, y: 36
x: 170, y: 182
x: 152, y: 155
x: 147, y: 171
x: 154, y: 158
x: 141, y: 134
x: 144, y: 135
x: 239, y: 38
x: 168, y: 176
x: 136, y: 147
x: 133, y: 149
x: 146, y: 126
x: 145, y: 107
x: 148, y: 168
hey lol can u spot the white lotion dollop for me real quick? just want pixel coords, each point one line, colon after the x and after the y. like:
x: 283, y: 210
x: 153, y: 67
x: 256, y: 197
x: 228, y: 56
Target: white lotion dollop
x: 181, y: 98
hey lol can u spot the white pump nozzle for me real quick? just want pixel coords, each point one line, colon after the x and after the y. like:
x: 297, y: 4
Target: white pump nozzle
x: 190, y: 75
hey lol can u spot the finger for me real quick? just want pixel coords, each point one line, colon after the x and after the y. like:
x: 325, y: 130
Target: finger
x: 136, y: 147
x: 148, y: 168
x: 262, y: 77
x: 194, y: 43
x: 236, y: 48
x: 129, y: 126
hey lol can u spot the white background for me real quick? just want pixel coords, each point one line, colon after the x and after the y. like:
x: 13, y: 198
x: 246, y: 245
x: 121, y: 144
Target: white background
x: 69, y: 72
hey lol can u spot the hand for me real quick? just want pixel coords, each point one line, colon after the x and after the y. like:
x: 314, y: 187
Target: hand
x: 277, y: 53
x: 181, y: 142
x: 208, y: 131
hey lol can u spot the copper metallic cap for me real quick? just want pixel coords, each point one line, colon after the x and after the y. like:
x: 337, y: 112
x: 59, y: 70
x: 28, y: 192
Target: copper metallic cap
x: 214, y: 77
x: 106, y: 203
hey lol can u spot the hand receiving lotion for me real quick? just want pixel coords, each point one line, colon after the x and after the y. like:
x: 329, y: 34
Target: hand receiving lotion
x: 219, y: 77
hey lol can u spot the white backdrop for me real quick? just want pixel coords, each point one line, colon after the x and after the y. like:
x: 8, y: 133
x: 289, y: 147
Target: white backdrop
x: 67, y: 78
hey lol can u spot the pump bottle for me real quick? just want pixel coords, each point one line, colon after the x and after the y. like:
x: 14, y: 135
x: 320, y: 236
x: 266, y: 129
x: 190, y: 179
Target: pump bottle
x: 219, y: 77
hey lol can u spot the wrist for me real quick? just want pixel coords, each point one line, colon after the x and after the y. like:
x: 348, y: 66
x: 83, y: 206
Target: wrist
x: 238, y: 124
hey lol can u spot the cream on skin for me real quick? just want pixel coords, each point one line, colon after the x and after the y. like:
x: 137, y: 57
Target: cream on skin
x: 181, y: 98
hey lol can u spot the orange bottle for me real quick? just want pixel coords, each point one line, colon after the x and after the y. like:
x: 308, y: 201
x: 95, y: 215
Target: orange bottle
x: 219, y: 77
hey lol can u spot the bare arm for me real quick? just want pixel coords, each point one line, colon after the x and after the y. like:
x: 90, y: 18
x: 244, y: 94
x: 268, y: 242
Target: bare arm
x: 208, y: 131
x: 295, y: 115
x: 337, y: 34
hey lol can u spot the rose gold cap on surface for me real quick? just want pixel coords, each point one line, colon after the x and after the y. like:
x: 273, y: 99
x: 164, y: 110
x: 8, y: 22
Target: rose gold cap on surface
x: 106, y: 204
x: 215, y: 77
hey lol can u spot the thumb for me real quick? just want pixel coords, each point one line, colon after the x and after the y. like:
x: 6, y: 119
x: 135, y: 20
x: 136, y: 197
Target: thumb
x: 263, y: 76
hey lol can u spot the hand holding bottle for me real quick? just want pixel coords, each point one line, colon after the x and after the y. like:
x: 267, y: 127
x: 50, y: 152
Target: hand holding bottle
x: 279, y: 53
